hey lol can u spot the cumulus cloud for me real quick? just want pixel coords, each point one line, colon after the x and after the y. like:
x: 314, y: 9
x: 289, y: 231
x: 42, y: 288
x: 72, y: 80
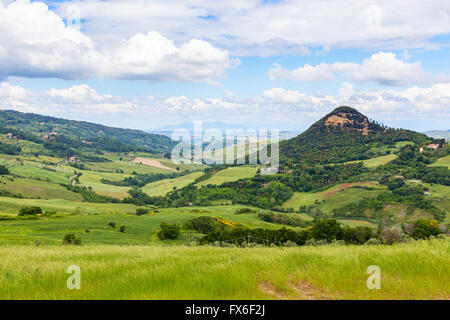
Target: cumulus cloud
x: 280, y: 95
x: 35, y: 42
x: 274, y: 27
x: 382, y: 68
x: 276, y: 106
x: 152, y: 56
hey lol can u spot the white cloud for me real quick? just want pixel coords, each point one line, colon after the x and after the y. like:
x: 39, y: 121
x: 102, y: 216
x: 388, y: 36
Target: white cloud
x: 152, y: 56
x: 426, y: 107
x: 382, y: 68
x: 280, y: 95
x: 35, y: 42
x: 276, y: 27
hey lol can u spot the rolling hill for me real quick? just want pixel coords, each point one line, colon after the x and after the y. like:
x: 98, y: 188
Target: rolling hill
x: 54, y: 132
x: 345, y: 135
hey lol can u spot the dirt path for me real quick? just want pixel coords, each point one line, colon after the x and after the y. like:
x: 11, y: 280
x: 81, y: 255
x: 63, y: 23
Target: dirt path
x: 153, y: 163
x: 344, y: 186
x: 302, y: 289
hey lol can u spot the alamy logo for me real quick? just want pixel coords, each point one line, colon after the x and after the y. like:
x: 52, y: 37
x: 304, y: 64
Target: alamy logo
x: 236, y: 146
x: 74, y: 281
x: 374, y: 280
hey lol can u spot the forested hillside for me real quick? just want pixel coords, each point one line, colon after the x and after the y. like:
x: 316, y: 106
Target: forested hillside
x: 345, y: 135
x: 62, y: 136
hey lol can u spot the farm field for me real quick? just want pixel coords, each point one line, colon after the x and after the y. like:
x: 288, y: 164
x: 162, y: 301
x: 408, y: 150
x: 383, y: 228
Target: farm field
x: 13, y: 205
x: 38, y: 171
x: 357, y: 223
x: 229, y: 175
x: 375, y: 162
x: 93, y: 179
x: 162, y: 187
x: 418, y: 270
x: 309, y: 198
x: 33, y: 189
x: 140, y: 229
x: 442, y: 162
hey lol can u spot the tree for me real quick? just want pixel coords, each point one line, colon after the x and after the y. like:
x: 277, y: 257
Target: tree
x: 71, y: 239
x: 30, y: 211
x: 425, y: 228
x: 328, y: 229
x: 169, y: 231
x: 3, y: 170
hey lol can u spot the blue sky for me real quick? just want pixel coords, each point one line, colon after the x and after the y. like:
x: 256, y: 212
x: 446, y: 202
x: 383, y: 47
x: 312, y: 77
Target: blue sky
x: 281, y: 64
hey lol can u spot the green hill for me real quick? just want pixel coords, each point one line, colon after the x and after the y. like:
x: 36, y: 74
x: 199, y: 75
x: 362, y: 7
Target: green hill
x: 345, y: 135
x: 57, y: 134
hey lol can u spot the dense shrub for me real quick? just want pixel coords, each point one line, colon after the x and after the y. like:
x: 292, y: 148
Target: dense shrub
x: 327, y: 229
x: 169, y: 231
x: 357, y: 235
x: 390, y: 235
x: 71, y: 239
x: 141, y: 211
x: 423, y: 229
x: 3, y: 170
x: 373, y: 241
x: 244, y: 210
x: 30, y: 211
x: 112, y: 224
x: 283, y: 218
x: 123, y: 228
x: 267, y: 237
x: 204, y: 224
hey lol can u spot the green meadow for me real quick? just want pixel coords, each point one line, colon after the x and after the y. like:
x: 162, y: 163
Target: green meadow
x: 13, y: 205
x: 442, y: 162
x: 37, y: 189
x: 162, y: 187
x: 336, y: 196
x: 229, y: 175
x: 93, y: 228
x: 377, y: 161
x: 418, y: 270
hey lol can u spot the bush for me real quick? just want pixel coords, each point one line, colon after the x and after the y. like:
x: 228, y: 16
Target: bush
x: 71, y: 239
x: 204, y: 224
x: 425, y: 229
x: 357, y: 235
x: 391, y: 235
x: 3, y: 170
x: 328, y: 229
x: 169, y: 231
x: 244, y: 210
x: 373, y: 241
x: 141, y: 211
x: 123, y: 228
x: 112, y: 224
x: 30, y: 211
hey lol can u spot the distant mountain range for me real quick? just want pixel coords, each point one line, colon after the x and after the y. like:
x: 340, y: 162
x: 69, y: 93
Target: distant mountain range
x: 439, y: 134
x: 219, y: 125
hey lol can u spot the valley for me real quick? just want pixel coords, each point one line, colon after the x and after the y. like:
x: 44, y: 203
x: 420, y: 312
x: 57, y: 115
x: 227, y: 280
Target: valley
x: 343, y: 184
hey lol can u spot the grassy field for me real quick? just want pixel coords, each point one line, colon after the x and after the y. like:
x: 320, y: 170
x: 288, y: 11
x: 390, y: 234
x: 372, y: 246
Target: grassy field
x: 442, y: 162
x: 375, y: 162
x: 34, y: 189
x: 230, y: 174
x: 419, y: 270
x: 35, y: 170
x: 13, y: 205
x: 93, y: 179
x: 309, y: 198
x: 162, y: 187
x: 357, y: 223
x: 127, y: 167
x: 141, y: 229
